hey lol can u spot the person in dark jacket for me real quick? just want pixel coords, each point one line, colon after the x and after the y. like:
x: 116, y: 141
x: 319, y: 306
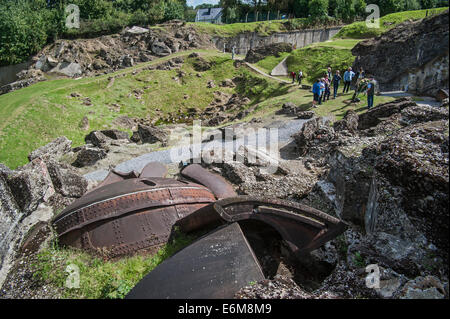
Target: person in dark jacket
x: 327, y: 92
x: 336, y: 81
x: 370, y: 91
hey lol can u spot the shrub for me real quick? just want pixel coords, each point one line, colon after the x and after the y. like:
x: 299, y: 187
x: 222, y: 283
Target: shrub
x: 24, y: 29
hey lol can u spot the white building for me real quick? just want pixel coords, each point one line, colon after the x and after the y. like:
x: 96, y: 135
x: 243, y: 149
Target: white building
x: 211, y: 15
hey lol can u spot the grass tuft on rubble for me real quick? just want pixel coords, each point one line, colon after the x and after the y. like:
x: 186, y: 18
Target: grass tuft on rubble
x: 99, y: 278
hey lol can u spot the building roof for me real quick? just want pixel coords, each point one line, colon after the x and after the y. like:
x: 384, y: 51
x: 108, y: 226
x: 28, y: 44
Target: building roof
x: 208, y: 14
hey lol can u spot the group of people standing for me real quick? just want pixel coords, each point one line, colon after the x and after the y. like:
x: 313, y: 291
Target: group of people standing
x: 297, y: 76
x: 321, y: 89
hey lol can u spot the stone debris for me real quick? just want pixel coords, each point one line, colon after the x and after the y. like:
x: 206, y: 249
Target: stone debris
x: 55, y: 149
x: 256, y: 54
x: 88, y: 155
x: 150, y: 134
x: 109, y: 53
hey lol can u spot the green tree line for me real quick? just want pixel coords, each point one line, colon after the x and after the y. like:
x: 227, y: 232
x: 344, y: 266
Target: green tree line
x: 346, y: 10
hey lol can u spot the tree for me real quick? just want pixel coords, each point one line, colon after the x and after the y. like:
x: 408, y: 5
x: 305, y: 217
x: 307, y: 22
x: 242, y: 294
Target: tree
x: 173, y: 10
x: 231, y: 15
x: 332, y: 8
x: 318, y: 9
x: 412, y: 5
x: 230, y: 9
x: 301, y: 8
x: 360, y: 8
x: 390, y: 6
x: 427, y: 4
x: 345, y: 10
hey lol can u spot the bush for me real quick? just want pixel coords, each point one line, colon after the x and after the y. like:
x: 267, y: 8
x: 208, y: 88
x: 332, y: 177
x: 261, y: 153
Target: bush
x: 24, y: 29
x: 318, y: 9
x: 173, y: 10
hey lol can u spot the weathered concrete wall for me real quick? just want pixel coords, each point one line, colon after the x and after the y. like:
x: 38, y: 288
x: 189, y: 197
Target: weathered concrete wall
x: 425, y: 80
x: 413, y: 56
x: 246, y: 41
x: 8, y: 73
x: 432, y: 76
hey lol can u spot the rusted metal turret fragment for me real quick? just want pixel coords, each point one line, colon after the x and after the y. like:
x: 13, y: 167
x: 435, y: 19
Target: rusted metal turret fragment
x: 128, y: 212
x: 302, y: 227
x: 218, y: 264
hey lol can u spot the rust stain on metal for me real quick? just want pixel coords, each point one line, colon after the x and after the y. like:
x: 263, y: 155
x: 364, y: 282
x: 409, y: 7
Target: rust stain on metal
x: 129, y: 215
x: 128, y: 212
x: 216, y: 183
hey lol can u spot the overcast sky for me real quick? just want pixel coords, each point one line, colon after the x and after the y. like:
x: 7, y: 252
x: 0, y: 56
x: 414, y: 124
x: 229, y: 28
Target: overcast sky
x: 195, y: 3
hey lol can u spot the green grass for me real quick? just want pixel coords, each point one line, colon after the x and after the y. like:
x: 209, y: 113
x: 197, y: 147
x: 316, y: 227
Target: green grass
x: 315, y: 60
x: 267, y: 64
x: 337, y: 44
x: 301, y: 58
x: 99, y: 279
x: 34, y: 116
x: 359, y: 30
x: 334, y: 109
x: 230, y: 30
x: 263, y: 28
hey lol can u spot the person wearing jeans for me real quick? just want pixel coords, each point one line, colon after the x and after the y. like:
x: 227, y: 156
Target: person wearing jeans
x: 370, y: 92
x: 316, y: 92
x: 348, y: 76
x: 322, y: 91
x: 336, y: 80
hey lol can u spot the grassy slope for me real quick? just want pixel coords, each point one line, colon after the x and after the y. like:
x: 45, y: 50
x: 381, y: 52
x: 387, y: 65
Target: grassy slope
x: 334, y: 109
x: 314, y: 59
x: 267, y: 64
x: 34, y: 116
x: 230, y: 30
x: 359, y: 30
x: 263, y: 28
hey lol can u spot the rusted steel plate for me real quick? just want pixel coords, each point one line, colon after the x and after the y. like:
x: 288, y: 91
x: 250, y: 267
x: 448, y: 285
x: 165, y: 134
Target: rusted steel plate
x: 129, y: 215
x: 114, y: 177
x: 215, y: 266
x: 303, y: 228
x: 216, y: 183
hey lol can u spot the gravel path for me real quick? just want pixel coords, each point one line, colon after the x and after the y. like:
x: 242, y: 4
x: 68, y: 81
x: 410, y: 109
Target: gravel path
x: 183, y: 153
